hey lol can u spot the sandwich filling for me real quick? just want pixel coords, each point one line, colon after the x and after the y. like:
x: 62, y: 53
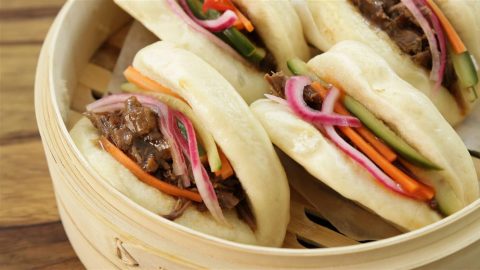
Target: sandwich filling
x: 354, y: 130
x: 155, y: 143
x: 421, y: 31
x: 229, y: 26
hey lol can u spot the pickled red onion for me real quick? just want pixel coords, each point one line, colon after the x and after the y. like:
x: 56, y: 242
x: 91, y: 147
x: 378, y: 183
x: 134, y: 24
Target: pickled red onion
x: 438, y: 65
x: 294, y: 93
x: 361, y: 159
x: 202, y: 180
x: 226, y: 20
x: 217, y: 41
x: 442, y: 41
x: 168, y: 126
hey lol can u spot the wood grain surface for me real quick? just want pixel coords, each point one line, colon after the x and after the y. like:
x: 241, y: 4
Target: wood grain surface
x: 31, y: 234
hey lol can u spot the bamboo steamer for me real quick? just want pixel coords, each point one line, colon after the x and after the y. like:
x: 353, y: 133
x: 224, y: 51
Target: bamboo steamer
x: 107, y: 230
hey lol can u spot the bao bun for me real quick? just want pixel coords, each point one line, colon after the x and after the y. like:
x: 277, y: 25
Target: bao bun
x: 276, y: 23
x: 236, y: 131
x: 365, y: 76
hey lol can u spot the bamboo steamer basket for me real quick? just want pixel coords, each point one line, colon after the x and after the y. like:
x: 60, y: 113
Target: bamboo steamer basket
x: 107, y: 230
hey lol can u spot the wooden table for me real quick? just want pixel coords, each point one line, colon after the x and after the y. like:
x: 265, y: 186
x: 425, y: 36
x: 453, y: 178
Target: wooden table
x: 31, y: 234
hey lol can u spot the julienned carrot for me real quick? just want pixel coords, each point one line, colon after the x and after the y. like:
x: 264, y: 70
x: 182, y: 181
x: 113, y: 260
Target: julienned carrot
x: 377, y: 144
x: 145, y: 177
x: 134, y: 76
x: 453, y: 37
x: 410, y: 185
x: 226, y: 170
x: 365, y: 133
x: 244, y: 21
x: 223, y: 5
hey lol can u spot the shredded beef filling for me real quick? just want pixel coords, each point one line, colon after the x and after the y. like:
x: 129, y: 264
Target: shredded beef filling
x: 135, y: 130
x: 402, y: 27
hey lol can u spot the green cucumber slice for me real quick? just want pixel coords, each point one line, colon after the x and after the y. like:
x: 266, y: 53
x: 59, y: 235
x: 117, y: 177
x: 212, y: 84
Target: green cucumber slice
x: 239, y: 42
x: 232, y: 36
x: 299, y: 67
x: 465, y: 70
x: 387, y: 135
x: 196, y: 8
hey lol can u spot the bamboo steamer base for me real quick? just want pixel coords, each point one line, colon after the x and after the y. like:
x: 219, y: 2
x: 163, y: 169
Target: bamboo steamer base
x: 107, y: 230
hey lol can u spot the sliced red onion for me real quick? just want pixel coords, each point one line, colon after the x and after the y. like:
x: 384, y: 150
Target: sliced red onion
x: 171, y: 128
x: 182, y: 15
x: 361, y: 159
x: 442, y: 41
x: 182, y: 142
x: 276, y: 99
x: 294, y: 94
x: 226, y: 20
x: 329, y: 101
x: 202, y: 181
x: 435, y: 74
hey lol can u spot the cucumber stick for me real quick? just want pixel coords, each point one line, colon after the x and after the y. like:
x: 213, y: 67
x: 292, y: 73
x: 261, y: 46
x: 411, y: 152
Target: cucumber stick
x: 386, y: 134
x: 465, y: 70
x: 232, y: 36
x: 298, y: 67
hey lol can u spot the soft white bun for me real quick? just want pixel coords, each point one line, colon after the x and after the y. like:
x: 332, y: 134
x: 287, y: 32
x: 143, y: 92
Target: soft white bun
x: 322, y: 159
x: 85, y: 136
x: 364, y: 75
x: 236, y: 131
x: 340, y: 20
x: 276, y: 23
x: 279, y: 27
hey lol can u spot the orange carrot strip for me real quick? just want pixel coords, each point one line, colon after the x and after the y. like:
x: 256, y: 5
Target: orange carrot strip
x: 239, y: 25
x: 134, y: 76
x: 226, y: 170
x: 246, y: 22
x: 365, y: 133
x: 410, y: 185
x: 452, y: 35
x: 377, y: 144
x: 145, y: 177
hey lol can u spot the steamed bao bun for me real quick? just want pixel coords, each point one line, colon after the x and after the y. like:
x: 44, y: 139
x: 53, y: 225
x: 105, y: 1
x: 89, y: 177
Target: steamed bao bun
x: 236, y: 131
x: 276, y: 23
x: 85, y: 135
x: 365, y: 76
